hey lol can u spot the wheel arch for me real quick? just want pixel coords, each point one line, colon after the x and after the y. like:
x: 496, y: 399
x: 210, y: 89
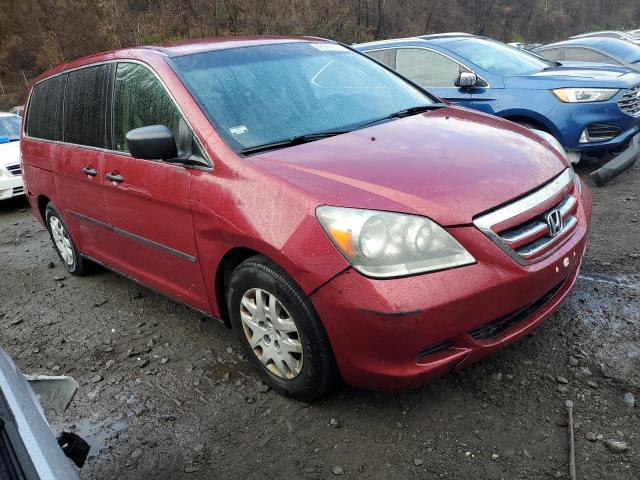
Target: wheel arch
x: 43, y: 201
x: 227, y: 264
x: 535, y: 120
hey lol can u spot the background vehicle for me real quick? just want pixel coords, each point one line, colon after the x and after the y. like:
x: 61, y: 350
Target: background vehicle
x: 28, y: 447
x: 17, y: 110
x: 10, y: 169
x: 591, y: 111
x: 285, y: 185
x: 593, y: 50
x: 620, y: 35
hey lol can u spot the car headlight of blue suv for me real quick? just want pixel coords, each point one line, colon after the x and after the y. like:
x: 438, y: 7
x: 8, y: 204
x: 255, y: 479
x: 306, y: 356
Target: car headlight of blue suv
x: 582, y: 95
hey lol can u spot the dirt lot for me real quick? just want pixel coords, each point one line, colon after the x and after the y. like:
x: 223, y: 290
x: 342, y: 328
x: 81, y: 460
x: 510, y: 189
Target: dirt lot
x: 165, y: 393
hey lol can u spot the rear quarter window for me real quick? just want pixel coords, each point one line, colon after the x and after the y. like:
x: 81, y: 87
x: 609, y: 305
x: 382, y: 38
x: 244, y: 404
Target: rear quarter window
x: 382, y: 56
x: 85, y: 106
x: 44, y: 112
x: 551, y: 53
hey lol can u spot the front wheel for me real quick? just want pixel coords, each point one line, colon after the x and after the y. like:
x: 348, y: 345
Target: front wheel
x: 63, y: 243
x: 280, y: 331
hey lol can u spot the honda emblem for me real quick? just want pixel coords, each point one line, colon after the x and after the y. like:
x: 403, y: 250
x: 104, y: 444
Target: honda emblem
x: 555, y: 223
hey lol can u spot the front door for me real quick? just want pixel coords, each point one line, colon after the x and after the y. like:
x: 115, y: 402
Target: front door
x: 149, y: 201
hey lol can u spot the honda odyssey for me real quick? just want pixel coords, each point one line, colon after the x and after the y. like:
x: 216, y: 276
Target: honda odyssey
x: 346, y: 223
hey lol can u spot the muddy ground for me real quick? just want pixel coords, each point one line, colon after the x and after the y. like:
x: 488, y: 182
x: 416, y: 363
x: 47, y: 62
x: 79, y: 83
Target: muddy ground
x: 165, y: 393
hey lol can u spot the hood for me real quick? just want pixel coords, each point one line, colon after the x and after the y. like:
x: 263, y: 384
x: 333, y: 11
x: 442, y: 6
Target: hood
x: 9, y: 153
x: 577, y: 74
x: 448, y: 164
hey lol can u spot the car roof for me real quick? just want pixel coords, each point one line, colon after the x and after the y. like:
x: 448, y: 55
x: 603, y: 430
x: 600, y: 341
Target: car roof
x: 438, y: 38
x: 186, y: 47
x: 8, y: 114
x: 182, y: 47
x: 434, y: 36
x: 594, y: 34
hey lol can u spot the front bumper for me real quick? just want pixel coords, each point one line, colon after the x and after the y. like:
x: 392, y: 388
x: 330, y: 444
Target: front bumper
x: 11, y: 186
x: 402, y: 333
x: 619, y: 164
x: 571, y: 119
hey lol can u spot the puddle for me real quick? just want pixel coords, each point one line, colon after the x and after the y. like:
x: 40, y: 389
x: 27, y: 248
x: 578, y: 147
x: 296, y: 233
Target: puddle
x: 609, y: 306
x: 98, y: 432
x: 225, y: 371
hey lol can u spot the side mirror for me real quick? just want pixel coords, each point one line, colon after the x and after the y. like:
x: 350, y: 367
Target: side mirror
x: 154, y: 142
x: 467, y: 80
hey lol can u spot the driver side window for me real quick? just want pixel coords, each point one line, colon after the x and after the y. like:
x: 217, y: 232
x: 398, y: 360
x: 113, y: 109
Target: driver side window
x: 427, y: 68
x: 140, y: 100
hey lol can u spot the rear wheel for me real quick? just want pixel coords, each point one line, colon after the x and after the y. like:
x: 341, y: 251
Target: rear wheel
x: 279, y: 330
x: 63, y: 243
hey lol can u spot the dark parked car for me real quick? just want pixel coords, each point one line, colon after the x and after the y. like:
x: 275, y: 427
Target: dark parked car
x: 344, y: 221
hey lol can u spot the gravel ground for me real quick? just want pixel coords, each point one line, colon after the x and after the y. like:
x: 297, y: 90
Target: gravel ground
x: 165, y: 393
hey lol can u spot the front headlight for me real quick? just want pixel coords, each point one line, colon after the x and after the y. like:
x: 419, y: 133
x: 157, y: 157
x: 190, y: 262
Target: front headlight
x: 384, y: 244
x: 580, y: 95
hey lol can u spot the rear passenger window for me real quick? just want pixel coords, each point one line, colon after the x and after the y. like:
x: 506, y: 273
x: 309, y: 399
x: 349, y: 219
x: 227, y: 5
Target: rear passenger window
x: 140, y: 100
x: 84, y: 107
x: 44, y: 113
x: 427, y: 68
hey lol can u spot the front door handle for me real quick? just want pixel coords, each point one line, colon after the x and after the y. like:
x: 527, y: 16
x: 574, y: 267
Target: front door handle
x: 115, y: 177
x: 90, y: 171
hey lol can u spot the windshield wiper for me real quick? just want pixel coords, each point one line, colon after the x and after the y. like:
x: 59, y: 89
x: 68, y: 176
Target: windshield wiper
x: 310, y: 137
x: 407, y: 112
x: 289, y: 142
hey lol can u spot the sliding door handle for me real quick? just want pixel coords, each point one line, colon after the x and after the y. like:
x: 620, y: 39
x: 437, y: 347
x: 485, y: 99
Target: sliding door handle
x: 115, y: 177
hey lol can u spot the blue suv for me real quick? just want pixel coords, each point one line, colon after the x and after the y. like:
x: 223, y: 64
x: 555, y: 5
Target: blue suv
x: 592, y: 110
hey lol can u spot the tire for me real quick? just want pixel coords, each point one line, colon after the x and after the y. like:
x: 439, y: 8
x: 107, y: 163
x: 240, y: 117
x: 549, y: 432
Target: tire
x: 313, y: 373
x: 63, y: 242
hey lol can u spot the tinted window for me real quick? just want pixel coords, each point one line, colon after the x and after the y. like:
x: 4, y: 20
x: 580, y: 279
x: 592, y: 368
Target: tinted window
x: 259, y: 95
x: 44, y: 113
x: 427, y: 68
x: 84, y: 107
x: 551, y: 53
x: 140, y: 100
x: 586, y: 55
x: 382, y: 56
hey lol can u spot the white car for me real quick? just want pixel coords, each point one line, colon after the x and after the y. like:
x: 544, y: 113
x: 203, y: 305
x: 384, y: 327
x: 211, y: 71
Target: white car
x: 10, y: 171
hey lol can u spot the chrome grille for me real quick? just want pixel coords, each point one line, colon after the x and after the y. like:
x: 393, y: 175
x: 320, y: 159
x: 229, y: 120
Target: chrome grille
x: 15, y: 169
x: 18, y: 190
x: 523, y: 229
x: 630, y: 102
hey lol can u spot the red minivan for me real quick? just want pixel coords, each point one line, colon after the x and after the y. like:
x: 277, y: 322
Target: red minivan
x: 346, y: 223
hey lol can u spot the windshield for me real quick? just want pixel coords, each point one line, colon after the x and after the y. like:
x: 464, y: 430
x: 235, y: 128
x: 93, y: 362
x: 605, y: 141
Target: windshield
x: 260, y: 95
x: 498, y: 58
x: 10, y: 127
